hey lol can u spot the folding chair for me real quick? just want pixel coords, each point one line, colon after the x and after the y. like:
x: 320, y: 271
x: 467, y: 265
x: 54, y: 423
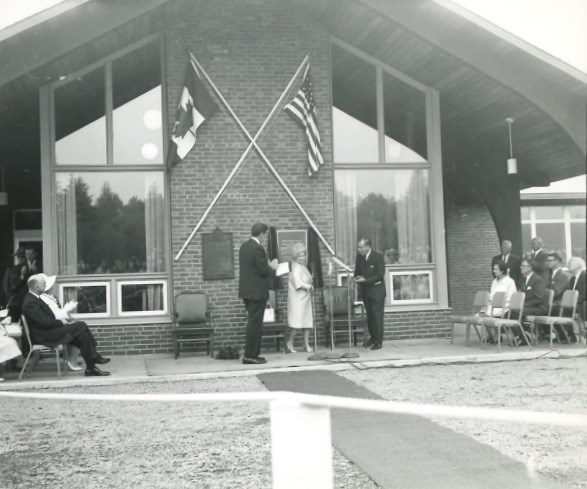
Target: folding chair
x: 274, y: 324
x: 38, y: 349
x: 193, y: 321
x: 566, y: 315
x: 530, y: 319
x: 480, y: 303
x: 336, y: 314
x: 512, y: 319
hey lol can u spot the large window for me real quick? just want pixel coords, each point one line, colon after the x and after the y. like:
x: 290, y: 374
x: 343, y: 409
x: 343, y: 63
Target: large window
x: 383, y: 171
x: 562, y: 227
x: 108, y: 180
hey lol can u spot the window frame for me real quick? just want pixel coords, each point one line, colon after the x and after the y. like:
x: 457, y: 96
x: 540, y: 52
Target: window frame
x: 162, y: 312
x: 49, y: 169
x: 433, y: 165
x: 68, y: 283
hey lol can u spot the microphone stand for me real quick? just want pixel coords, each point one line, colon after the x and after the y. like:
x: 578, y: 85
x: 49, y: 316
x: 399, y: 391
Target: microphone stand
x: 350, y: 305
x: 315, y: 355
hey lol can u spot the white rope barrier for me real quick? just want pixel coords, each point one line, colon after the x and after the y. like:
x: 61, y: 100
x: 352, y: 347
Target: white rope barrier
x: 426, y: 410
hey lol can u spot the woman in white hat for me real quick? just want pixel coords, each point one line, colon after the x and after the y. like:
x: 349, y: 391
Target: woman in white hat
x: 299, y: 298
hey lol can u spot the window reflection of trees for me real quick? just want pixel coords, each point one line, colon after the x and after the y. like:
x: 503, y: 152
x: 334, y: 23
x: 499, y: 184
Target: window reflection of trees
x: 107, y: 236
x: 397, y: 225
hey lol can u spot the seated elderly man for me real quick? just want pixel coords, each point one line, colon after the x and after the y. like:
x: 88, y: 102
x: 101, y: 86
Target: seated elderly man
x: 50, y: 331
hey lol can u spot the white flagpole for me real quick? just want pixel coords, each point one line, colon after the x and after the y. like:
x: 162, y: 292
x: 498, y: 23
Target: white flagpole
x: 265, y: 159
x: 195, y: 62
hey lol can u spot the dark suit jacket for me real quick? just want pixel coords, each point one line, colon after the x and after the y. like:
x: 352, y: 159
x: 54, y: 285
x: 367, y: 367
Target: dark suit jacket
x: 540, y: 266
x: 513, y: 264
x: 558, y: 284
x: 581, y: 288
x: 255, y: 272
x: 373, y: 270
x: 44, y: 327
x: 535, y: 301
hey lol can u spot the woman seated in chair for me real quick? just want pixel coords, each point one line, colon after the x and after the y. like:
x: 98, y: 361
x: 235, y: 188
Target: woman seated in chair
x: 8, y: 347
x: 501, y: 283
x: 299, y: 298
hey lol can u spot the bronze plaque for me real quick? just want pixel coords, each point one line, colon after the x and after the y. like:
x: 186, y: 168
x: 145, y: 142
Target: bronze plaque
x: 217, y: 255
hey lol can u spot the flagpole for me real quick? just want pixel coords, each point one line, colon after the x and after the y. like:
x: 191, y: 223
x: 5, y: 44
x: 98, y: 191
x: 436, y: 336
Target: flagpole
x: 197, y: 65
x: 265, y: 159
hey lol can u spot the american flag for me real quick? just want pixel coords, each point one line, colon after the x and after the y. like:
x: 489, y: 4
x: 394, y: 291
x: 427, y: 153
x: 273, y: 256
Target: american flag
x: 303, y: 110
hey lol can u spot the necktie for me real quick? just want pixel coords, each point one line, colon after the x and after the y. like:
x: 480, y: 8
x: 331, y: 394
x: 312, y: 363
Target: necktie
x: 573, y: 282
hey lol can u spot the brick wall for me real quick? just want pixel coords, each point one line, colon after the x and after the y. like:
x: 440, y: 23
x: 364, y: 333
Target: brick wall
x: 471, y: 241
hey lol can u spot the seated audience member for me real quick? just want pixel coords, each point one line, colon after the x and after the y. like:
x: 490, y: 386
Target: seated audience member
x: 512, y: 261
x: 71, y: 352
x: 558, y: 280
x: 8, y: 347
x: 50, y: 331
x: 534, y: 288
x: 577, y: 282
x: 501, y: 283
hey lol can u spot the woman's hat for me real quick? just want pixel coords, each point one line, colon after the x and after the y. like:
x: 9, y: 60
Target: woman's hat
x: 49, y: 280
x: 297, y: 248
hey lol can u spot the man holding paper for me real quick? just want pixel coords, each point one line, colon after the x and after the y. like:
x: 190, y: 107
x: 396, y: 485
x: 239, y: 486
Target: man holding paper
x: 55, y: 328
x: 370, y: 275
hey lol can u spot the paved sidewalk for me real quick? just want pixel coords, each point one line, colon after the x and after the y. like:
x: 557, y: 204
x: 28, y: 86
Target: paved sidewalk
x: 163, y: 367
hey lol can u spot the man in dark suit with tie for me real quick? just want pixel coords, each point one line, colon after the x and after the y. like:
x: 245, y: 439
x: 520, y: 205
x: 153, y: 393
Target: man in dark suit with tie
x: 538, y: 256
x: 558, y: 280
x: 512, y: 261
x: 577, y: 282
x: 534, y: 288
x: 51, y: 332
x: 370, y: 275
x: 253, y: 288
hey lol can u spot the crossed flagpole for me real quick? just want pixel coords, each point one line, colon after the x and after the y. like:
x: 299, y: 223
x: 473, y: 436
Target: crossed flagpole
x: 252, y: 144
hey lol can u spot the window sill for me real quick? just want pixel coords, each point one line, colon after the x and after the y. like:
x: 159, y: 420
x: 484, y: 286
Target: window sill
x: 127, y: 320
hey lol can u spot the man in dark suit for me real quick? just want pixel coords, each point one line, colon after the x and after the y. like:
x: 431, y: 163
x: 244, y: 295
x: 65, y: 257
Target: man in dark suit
x: 577, y: 282
x: 538, y: 257
x: 558, y: 280
x: 534, y: 288
x: 512, y: 261
x: 253, y: 288
x: 370, y: 275
x: 51, y: 332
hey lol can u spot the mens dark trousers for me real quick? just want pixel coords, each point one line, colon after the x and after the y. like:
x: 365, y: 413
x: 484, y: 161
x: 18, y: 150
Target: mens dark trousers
x: 83, y: 338
x: 254, y: 333
x: 374, y: 309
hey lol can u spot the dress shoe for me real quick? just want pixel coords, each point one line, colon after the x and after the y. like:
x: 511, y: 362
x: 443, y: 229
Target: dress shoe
x: 368, y: 343
x: 253, y: 361
x: 290, y: 350
x: 72, y: 367
x: 95, y: 372
x: 100, y: 360
x: 376, y: 347
x: 261, y: 358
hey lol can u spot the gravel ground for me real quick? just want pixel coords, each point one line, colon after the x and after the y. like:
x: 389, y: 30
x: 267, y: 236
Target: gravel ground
x: 82, y: 444
x: 540, y: 385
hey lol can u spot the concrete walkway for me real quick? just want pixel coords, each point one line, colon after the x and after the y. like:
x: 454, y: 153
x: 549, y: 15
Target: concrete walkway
x: 163, y: 367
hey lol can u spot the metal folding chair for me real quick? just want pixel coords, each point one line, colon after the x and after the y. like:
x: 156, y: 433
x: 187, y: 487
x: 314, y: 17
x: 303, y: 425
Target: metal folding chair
x: 530, y: 319
x: 566, y: 316
x: 480, y: 303
x: 38, y: 349
x: 193, y: 321
x: 512, y: 319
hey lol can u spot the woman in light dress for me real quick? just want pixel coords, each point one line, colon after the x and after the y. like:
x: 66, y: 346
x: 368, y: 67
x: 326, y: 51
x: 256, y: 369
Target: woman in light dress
x: 299, y: 298
x: 8, y: 347
x: 501, y: 283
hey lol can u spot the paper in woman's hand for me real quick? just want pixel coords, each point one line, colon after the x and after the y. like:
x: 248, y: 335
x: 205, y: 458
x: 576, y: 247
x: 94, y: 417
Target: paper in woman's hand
x: 70, y: 306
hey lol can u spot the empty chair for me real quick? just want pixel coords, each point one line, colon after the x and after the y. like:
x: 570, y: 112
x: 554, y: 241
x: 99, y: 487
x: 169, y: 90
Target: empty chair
x: 274, y: 322
x: 192, y: 321
x: 338, y: 312
x: 567, y: 311
x: 512, y: 320
x: 38, y: 349
x: 480, y: 303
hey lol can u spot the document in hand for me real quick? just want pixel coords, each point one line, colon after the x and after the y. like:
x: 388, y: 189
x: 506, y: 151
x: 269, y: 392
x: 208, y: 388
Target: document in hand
x: 69, y: 306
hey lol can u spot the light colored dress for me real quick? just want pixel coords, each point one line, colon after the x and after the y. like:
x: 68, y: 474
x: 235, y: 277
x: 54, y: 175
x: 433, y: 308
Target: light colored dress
x: 299, y: 299
x: 504, y: 284
x: 8, y: 347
